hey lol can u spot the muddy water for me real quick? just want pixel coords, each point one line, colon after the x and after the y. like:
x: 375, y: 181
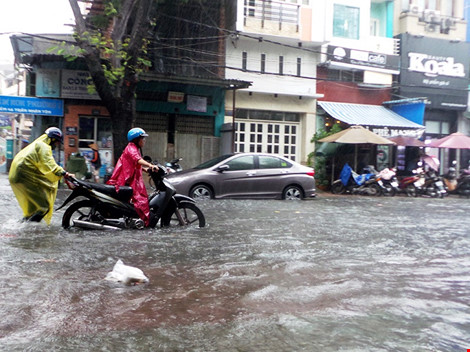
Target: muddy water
x: 331, y: 274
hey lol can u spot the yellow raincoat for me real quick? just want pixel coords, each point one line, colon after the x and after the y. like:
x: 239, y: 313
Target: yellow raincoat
x: 34, y: 177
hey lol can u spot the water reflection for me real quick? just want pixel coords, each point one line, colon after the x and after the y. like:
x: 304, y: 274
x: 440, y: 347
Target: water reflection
x: 336, y: 273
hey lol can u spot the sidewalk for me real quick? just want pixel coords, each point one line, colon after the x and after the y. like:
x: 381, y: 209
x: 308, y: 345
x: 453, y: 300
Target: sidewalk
x: 4, y: 184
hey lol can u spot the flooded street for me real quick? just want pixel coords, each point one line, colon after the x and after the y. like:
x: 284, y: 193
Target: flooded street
x: 338, y: 273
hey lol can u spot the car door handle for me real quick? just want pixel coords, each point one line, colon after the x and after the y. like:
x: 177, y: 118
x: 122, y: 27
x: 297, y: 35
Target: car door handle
x: 251, y: 173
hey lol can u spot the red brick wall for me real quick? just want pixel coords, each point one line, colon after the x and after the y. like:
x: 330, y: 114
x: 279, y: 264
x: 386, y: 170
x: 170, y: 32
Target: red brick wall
x: 71, y: 118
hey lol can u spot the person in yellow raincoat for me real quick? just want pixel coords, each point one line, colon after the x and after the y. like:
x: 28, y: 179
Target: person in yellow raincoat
x: 34, y: 176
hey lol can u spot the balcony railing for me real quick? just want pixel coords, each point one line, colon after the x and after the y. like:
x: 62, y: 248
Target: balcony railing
x: 273, y: 11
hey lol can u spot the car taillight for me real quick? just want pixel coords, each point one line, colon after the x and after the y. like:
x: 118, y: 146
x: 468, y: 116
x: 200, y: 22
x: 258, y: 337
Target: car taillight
x: 311, y: 173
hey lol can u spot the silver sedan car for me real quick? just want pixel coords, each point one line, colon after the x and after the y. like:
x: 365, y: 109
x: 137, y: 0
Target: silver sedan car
x: 246, y: 175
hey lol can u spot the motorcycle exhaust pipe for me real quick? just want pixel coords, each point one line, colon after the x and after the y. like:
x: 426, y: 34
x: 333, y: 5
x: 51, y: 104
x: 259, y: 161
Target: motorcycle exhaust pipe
x: 93, y: 226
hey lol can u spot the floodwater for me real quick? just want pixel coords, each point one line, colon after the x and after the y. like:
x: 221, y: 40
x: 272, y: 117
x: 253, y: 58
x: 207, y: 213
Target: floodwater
x: 338, y: 273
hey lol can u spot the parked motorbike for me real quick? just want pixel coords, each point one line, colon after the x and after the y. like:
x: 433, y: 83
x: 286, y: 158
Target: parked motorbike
x: 388, y: 182
x: 450, y: 178
x: 463, y: 182
x: 173, y: 165
x: 354, y: 183
x: 457, y: 184
x: 409, y: 184
x: 426, y: 183
x: 104, y: 208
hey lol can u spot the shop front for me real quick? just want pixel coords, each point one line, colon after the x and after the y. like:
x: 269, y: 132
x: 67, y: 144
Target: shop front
x: 378, y: 119
x: 437, y: 70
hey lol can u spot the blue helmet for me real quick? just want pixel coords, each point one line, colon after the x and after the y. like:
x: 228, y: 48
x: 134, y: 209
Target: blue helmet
x: 135, y: 133
x: 55, y: 133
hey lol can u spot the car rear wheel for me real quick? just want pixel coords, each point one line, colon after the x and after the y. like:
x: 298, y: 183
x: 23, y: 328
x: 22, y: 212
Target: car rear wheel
x: 201, y: 192
x: 292, y: 193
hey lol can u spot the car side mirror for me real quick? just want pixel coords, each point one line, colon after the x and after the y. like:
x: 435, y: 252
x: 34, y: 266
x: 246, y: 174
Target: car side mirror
x: 223, y: 168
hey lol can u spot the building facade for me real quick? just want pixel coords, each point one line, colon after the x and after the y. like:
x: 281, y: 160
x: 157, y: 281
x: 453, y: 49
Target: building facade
x: 275, y: 45
x: 434, y: 65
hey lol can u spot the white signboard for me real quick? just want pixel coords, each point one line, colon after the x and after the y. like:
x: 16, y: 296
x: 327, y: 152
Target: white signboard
x: 75, y: 85
x: 196, y: 103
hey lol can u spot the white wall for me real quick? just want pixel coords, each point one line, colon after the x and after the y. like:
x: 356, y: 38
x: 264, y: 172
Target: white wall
x: 272, y: 82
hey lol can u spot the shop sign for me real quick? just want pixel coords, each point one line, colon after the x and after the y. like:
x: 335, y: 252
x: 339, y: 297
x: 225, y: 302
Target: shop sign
x: 31, y: 106
x: 436, y: 69
x: 361, y: 59
x: 388, y: 132
x: 175, y: 97
x: 71, y: 131
x: 76, y: 85
x: 433, y: 66
x: 48, y: 83
x: 196, y: 103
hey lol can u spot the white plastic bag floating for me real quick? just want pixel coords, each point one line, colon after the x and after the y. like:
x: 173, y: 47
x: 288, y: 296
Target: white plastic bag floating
x: 126, y: 274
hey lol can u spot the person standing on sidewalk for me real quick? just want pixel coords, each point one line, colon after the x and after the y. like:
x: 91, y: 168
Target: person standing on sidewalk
x: 95, y: 162
x: 34, y: 176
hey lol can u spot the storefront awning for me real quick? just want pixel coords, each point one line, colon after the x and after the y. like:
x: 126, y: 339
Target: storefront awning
x: 379, y: 119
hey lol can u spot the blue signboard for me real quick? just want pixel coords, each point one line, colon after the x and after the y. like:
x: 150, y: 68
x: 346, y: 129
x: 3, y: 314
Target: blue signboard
x: 31, y: 106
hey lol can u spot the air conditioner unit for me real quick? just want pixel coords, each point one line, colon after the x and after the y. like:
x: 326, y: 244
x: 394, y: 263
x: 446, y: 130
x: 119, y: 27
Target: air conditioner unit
x: 432, y: 16
x: 415, y: 9
x: 430, y: 27
x: 448, y: 22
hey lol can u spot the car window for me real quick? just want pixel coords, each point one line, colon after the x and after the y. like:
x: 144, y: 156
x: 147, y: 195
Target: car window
x: 271, y: 162
x: 246, y: 162
x: 212, y: 162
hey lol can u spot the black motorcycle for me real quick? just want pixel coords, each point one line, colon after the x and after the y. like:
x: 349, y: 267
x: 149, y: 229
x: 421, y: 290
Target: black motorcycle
x: 104, y: 208
x: 463, y: 183
x: 174, y: 165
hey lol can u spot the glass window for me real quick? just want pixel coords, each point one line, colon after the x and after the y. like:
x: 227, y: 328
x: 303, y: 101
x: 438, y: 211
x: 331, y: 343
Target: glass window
x: 432, y: 127
x: 87, y: 128
x: 346, y: 21
x: 263, y: 63
x: 281, y: 65
x: 445, y: 128
x: 271, y: 162
x: 104, y: 137
x: 95, y: 130
x: 245, y: 162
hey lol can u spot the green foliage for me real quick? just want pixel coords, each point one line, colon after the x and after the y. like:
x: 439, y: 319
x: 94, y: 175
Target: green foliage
x: 115, y: 55
x: 322, y: 133
x: 319, y: 162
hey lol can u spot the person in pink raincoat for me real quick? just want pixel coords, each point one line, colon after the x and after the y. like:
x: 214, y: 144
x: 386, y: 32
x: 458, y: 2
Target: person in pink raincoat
x: 128, y: 172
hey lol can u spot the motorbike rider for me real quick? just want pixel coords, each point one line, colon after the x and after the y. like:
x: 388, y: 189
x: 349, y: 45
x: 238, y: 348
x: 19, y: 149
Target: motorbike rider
x: 128, y: 172
x: 34, y: 176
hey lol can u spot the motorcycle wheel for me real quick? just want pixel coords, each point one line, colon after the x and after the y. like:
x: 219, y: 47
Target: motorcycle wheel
x: 374, y: 190
x: 389, y: 191
x: 411, y: 191
x: 191, y: 215
x: 464, y: 190
x: 432, y: 191
x: 338, y: 188
x: 82, y: 210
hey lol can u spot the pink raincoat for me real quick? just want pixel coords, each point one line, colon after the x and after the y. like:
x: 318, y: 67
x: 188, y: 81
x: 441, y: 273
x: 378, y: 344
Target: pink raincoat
x: 128, y: 172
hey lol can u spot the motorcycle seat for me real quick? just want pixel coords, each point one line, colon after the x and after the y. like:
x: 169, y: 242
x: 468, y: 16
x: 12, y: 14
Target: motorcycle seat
x: 124, y: 194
